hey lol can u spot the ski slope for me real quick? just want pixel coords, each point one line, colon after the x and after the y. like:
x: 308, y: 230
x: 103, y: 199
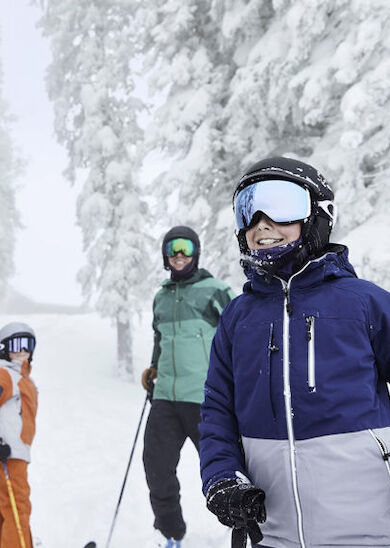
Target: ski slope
x: 86, y: 425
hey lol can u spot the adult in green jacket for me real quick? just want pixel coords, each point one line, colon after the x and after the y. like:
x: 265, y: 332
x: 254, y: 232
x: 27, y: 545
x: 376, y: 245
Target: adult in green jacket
x: 186, y: 311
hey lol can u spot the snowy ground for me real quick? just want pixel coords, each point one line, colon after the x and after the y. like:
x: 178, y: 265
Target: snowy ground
x: 87, y: 420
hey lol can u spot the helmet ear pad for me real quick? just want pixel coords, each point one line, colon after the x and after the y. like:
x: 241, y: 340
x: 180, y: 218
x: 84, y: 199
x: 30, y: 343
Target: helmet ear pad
x: 316, y: 232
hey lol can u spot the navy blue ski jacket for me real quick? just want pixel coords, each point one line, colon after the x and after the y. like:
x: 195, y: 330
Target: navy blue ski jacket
x: 299, y: 361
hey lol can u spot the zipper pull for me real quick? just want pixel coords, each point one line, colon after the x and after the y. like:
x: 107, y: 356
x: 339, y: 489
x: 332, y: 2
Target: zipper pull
x: 309, y: 325
x: 311, y: 378
x: 288, y: 303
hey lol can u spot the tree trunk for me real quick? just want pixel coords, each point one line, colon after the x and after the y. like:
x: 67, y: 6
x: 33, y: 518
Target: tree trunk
x: 125, y: 368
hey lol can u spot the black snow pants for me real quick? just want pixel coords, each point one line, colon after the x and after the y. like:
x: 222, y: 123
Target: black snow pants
x: 169, y: 425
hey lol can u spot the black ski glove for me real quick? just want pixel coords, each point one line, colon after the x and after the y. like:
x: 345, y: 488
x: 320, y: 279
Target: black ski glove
x: 238, y: 505
x: 5, y: 451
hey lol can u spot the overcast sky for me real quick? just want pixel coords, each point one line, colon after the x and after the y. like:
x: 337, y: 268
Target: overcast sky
x: 48, y: 252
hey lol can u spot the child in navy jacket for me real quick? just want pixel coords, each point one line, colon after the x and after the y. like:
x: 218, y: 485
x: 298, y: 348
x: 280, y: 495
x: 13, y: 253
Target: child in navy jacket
x: 295, y: 430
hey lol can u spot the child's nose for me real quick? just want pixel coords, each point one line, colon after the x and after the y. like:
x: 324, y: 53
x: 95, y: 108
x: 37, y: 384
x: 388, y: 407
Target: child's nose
x: 264, y: 222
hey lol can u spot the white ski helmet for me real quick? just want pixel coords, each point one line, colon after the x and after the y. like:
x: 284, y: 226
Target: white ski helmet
x: 13, y: 330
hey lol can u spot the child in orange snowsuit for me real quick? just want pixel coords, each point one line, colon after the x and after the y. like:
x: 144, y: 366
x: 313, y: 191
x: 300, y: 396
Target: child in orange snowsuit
x: 18, y: 407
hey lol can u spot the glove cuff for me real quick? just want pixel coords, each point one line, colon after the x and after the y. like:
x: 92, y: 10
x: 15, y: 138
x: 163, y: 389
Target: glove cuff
x: 218, y: 486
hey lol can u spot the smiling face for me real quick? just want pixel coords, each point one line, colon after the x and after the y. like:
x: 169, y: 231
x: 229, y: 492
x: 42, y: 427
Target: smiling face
x: 179, y: 261
x: 266, y: 234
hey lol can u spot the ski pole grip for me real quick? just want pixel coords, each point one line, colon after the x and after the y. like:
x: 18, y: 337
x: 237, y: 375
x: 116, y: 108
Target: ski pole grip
x: 239, y: 534
x: 150, y: 390
x: 254, y: 532
x: 239, y: 537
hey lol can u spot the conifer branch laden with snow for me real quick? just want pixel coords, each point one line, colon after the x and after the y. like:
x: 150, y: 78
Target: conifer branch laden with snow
x: 90, y: 83
x: 10, y: 167
x: 257, y: 78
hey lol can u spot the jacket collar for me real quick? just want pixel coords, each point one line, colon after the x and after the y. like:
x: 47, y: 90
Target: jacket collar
x: 200, y: 274
x: 23, y: 368
x: 333, y: 263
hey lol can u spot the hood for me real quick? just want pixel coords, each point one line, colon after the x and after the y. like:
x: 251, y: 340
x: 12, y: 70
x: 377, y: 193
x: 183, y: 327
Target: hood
x: 333, y: 263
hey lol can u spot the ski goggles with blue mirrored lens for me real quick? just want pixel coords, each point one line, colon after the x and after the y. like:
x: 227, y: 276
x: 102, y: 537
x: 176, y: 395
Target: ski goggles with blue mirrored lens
x: 282, y: 201
x: 179, y: 245
x: 20, y: 343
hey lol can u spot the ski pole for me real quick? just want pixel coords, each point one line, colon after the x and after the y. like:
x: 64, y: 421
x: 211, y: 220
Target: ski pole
x: 127, y: 472
x: 13, y: 504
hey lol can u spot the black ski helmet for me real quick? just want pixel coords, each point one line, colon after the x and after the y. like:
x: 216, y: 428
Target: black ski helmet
x: 317, y: 227
x: 15, y: 329
x: 181, y: 232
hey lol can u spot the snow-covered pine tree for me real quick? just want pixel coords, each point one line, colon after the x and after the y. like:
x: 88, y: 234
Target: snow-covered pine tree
x: 9, y: 217
x: 315, y: 84
x: 249, y: 79
x: 189, y: 65
x: 90, y: 83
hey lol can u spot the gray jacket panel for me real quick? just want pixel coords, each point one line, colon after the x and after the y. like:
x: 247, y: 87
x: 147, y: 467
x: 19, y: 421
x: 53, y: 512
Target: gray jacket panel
x: 331, y: 471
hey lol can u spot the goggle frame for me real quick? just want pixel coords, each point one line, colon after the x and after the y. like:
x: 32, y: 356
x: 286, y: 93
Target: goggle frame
x: 249, y: 200
x: 18, y: 343
x: 180, y: 245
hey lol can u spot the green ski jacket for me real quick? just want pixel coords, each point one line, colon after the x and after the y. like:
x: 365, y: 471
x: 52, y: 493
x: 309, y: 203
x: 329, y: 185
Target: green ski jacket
x: 185, y: 318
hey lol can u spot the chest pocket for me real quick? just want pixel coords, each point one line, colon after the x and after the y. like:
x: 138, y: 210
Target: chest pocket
x: 257, y: 359
x: 311, y: 356
x: 327, y: 352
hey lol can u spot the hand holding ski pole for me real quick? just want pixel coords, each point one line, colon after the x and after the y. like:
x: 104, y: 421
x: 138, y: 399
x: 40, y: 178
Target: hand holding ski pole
x: 5, y: 450
x: 148, y: 376
x: 238, y: 505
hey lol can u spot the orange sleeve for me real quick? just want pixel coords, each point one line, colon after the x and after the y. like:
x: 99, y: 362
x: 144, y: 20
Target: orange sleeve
x: 29, y: 397
x: 6, y: 388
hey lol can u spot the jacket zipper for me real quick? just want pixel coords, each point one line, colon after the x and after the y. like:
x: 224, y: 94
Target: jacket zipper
x: 174, y: 314
x: 174, y: 371
x: 178, y: 299
x: 271, y: 349
x: 383, y: 449
x: 204, y: 346
x: 175, y: 298
x: 311, y: 363
x: 287, y: 311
